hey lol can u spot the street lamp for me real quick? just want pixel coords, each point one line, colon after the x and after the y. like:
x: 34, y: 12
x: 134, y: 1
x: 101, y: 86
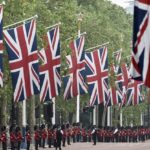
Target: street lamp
x: 79, y: 18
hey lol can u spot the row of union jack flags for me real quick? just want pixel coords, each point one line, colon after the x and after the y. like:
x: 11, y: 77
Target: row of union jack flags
x: 29, y: 78
x: 88, y: 72
x: 124, y: 91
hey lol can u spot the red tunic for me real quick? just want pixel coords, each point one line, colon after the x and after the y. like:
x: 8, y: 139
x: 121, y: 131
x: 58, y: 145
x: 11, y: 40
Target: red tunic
x: 44, y: 134
x: 12, y: 137
x: 28, y: 137
x: 49, y: 133
x: 3, y: 137
x: 19, y: 137
x: 36, y: 135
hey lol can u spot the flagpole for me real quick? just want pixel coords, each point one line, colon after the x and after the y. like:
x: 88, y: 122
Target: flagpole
x: 24, y: 123
x: 57, y: 24
x: 33, y: 17
x: 81, y: 34
x: 141, y: 118
x: 98, y: 46
x: 24, y: 113
x: 94, y: 115
x: 108, y: 116
x: 79, y: 17
x: 117, y: 51
x: 54, y: 114
x: 121, y: 117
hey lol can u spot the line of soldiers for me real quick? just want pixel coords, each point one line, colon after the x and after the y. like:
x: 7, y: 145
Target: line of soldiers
x: 53, y: 135
x: 103, y: 134
x: 15, y: 138
x: 56, y: 136
x: 123, y: 134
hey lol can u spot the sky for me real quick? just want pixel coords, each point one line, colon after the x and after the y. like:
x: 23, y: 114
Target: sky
x: 123, y: 3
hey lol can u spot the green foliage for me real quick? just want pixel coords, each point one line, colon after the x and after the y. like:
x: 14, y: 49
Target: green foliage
x: 101, y: 20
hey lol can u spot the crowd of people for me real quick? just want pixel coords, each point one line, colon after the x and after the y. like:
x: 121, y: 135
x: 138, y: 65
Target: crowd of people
x: 60, y: 136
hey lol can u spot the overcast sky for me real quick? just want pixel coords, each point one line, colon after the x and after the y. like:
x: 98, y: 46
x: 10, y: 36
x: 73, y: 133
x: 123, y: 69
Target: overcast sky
x: 123, y: 3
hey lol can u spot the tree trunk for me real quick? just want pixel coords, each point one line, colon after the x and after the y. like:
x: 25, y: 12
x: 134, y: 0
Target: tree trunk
x: 19, y: 114
x: 3, y: 112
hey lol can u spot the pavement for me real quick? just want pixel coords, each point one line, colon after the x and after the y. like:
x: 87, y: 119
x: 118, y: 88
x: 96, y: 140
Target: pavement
x: 105, y: 146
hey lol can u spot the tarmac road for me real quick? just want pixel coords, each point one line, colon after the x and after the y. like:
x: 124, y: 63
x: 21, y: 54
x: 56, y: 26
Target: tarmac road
x: 105, y: 146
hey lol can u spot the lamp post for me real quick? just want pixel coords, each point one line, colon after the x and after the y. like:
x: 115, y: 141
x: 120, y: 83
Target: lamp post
x: 79, y: 17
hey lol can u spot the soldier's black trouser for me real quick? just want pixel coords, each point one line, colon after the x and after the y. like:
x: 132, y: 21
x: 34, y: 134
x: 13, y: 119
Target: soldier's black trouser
x: 4, y: 145
x: 12, y: 145
x: 28, y: 145
x: 49, y: 142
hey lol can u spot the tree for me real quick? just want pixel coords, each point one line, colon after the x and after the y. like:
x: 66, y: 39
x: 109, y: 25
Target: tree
x: 102, y: 21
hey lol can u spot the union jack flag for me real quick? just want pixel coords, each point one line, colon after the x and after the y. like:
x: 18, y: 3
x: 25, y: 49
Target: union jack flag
x: 126, y: 75
x: 133, y: 93
x: 117, y: 58
x: 50, y: 80
x: 126, y: 81
x: 116, y: 90
x: 140, y: 68
x: 23, y: 60
x: 97, y: 75
x: 74, y: 83
x: 1, y: 45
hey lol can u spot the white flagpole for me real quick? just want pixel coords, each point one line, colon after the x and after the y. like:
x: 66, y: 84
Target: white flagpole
x: 57, y: 24
x: 84, y: 33
x: 108, y: 116
x: 54, y: 114
x: 117, y: 51
x: 78, y: 96
x: 98, y: 46
x: 36, y: 16
x: 121, y: 117
x: 94, y: 115
x: 141, y: 116
x: 24, y: 122
x: 78, y: 109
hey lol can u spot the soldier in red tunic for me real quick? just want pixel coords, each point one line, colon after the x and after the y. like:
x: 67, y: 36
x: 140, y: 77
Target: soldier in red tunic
x: 18, y: 137
x: 78, y: 133
x: 12, y: 137
x: 28, y: 137
x: 36, y: 137
x: 4, y: 138
x: 44, y: 135
x: 73, y: 134
x: 89, y: 135
x: 84, y: 135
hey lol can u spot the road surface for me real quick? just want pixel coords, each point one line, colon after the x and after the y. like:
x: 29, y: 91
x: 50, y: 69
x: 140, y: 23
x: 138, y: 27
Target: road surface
x: 105, y: 146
